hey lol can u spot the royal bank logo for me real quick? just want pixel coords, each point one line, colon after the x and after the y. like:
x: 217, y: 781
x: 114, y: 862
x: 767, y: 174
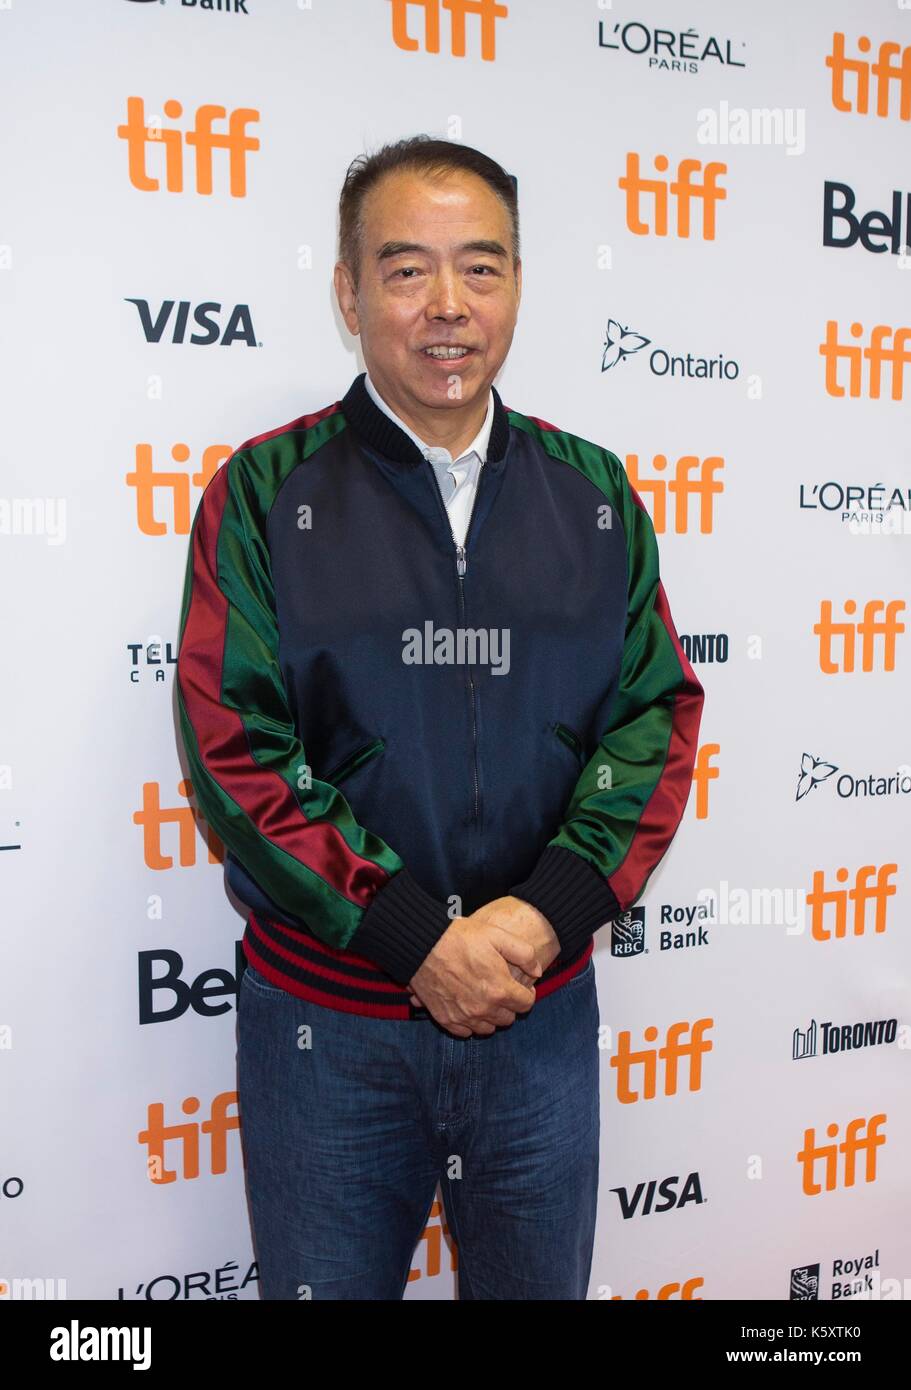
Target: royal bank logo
x: 804, y: 1283
x: 628, y: 933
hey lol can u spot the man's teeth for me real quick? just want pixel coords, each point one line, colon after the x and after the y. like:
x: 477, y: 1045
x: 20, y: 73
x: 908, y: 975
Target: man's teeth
x: 446, y: 352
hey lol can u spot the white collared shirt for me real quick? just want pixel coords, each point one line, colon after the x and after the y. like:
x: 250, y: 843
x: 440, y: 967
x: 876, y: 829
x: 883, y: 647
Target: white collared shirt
x: 458, y: 478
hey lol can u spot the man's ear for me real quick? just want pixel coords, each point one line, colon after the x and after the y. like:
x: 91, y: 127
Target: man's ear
x: 347, y: 296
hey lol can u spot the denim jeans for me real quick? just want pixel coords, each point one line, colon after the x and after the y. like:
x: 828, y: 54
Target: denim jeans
x: 349, y: 1123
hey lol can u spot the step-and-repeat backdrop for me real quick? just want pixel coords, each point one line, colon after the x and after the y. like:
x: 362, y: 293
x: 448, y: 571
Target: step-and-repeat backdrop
x: 717, y: 286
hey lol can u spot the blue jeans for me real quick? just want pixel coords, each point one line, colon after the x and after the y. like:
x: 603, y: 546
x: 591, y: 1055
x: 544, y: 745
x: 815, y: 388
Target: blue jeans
x: 346, y: 1137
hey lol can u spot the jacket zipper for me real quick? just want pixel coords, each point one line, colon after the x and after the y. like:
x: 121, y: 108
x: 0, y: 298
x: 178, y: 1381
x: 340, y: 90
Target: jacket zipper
x: 461, y: 567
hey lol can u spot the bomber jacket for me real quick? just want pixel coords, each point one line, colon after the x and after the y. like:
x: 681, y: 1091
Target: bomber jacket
x: 387, y: 729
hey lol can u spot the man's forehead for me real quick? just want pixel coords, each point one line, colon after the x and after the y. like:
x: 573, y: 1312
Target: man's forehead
x: 398, y: 194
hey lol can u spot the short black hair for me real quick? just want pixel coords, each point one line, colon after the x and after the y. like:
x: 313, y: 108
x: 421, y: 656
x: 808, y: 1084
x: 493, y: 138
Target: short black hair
x: 418, y: 154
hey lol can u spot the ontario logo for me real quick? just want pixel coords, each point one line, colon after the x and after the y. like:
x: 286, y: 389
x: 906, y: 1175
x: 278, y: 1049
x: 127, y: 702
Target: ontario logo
x: 621, y: 342
x: 815, y: 771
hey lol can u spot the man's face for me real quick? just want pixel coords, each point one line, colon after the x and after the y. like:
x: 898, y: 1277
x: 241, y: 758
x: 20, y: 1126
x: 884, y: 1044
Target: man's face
x: 432, y: 273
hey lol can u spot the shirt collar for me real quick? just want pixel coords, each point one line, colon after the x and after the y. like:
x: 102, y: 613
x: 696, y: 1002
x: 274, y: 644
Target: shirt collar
x: 435, y: 453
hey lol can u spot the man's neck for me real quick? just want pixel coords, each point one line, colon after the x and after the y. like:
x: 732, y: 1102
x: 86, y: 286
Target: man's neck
x: 452, y: 428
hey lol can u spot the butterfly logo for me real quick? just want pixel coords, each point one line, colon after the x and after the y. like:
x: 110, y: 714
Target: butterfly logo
x: 619, y: 343
x: 812, y: 772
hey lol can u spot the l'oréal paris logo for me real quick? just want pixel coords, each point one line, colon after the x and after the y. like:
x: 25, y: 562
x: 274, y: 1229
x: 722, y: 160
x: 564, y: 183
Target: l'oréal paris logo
x: 669, y: 51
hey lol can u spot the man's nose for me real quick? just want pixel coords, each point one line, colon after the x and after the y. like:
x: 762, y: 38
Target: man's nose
x: 446, y: 299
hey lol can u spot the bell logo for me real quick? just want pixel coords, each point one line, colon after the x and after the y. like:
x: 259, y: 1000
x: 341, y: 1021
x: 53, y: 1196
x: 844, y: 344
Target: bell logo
x: 823, y: 901
x: 187, y: 1136
x: 683, y: 189
x: 885, y: 72
x: 665, y: 1059
x: 869, y: 628
x: 145, y: 480
x: 875, y: 354
x: 849, y: 1148
x: 153, y: 816
x: 202, y: 139
x: 487, y: 11
x: 682, y: 487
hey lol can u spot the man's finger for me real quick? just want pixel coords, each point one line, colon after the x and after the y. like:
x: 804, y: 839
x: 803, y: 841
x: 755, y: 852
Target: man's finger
x: 516, y: 950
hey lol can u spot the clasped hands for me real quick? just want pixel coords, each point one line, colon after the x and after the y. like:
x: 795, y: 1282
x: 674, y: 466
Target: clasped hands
x: 480, y: 973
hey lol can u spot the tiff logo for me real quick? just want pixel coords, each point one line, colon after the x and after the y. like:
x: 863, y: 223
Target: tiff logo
x: 823, y: 901
x: 833, y: 351
x: 217, y: 1127
x: 431, y: 1238
x: 682, y: 487
x: 884, y: 71
x: 153, y: 816
x: 486, y: 11
x: 146, y: 481
x: 849, y: 1148
x: 664, y: 1059
x: 202, y: 139
x: 869, y: 628
x: 683, y: 189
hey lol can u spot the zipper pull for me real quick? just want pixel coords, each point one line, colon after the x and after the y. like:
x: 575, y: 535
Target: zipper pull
x: 461, y: 560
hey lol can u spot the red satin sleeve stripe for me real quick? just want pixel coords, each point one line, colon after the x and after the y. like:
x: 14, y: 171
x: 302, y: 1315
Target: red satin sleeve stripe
x: 263, y: 795
x: 664, y: 808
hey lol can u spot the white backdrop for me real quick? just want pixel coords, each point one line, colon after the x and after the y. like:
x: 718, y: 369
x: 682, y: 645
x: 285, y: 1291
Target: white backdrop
x: 107, y: 882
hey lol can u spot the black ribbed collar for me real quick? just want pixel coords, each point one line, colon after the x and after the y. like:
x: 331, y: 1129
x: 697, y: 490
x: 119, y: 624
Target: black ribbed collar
x: 376, y: 429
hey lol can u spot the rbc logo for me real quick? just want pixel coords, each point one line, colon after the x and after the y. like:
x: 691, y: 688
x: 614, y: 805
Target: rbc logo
x: 805, y: 1282
x: 628, y: 933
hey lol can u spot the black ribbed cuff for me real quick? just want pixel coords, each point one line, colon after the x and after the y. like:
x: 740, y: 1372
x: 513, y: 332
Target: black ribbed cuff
x: 574, y: 897
x: 400, y: 927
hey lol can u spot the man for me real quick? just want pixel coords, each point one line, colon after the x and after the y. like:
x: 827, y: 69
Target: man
x: 434, y: 704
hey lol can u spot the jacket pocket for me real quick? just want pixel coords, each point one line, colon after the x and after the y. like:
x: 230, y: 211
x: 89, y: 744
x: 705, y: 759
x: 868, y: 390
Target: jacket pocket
x: 354, y: 760
x: 570, y: 738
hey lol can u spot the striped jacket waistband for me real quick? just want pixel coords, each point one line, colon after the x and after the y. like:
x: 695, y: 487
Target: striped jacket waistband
x: 297, y: 961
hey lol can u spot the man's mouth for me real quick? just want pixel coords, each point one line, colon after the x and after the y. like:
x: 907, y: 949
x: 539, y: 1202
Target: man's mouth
x: 447, y: 354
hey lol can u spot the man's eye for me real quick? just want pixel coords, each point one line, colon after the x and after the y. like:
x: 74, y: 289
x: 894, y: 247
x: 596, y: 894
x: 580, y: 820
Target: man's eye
x: 406, y: 269
x: 488, y: 268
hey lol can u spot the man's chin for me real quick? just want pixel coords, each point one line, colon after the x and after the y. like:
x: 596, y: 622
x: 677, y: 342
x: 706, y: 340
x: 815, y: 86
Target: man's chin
x: 435, y: 388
